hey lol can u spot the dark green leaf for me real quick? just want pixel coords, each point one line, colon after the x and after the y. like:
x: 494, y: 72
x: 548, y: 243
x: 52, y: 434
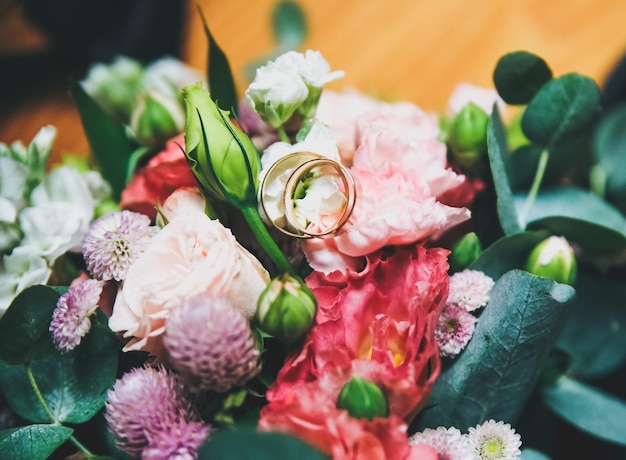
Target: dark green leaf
x: 609, y: 145
x: 289, y: 24
x: 252, y: 445
x: 33, y: 442
x: 107, y: 138
x: 519, y: 75
x: 73, y: 384
x: 496, y: 144
x: 494, y: 376
x: 521, y: 166
x: 589, y: 409
x: 221, y: 81
x: 563, y: 107
x: 579, y: 216
x: 508, y: 253
x: 594, y: 333
x: 24, y: 327
x: 135, y: 159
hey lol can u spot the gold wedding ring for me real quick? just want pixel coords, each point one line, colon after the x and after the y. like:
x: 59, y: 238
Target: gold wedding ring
x: 301, y: 164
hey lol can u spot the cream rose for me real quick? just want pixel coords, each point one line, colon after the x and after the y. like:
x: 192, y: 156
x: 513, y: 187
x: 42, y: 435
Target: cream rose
x: 191, y: 255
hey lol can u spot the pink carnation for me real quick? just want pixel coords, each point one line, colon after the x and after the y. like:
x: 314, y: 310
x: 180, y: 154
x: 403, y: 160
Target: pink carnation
x: 163, y: 174
x: 378, y: 325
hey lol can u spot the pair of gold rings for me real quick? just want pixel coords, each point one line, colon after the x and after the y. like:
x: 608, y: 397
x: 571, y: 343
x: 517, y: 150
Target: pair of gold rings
x: 300, y: 165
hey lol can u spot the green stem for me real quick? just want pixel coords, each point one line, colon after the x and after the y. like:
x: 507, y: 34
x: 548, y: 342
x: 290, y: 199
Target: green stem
x: 53, y: 420
x: 534, y: 188
x: 282, y: 134
x: 251, y: 214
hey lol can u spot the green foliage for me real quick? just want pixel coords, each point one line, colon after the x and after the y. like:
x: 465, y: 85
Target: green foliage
x: 107, y: 138
x: 563, y: 108
x: 591, y: 410
x: 497, y: 149
x: 494, y: 376
x: 289, y: 24
x: 221, y: 81
x: 252, y: 445
x: 33, y: 442
x: 519, y: 75
x: 24, y: 327
x: 532, y: 454
x: 72, y: 384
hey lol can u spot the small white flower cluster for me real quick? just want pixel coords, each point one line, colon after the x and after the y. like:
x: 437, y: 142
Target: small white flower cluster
x: 489, y: 441
x: 469, y: 291
x: 293, y: 82
x: 42, y: 215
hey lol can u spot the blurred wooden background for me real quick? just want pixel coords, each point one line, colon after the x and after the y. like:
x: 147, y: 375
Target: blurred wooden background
x: 415, y: 50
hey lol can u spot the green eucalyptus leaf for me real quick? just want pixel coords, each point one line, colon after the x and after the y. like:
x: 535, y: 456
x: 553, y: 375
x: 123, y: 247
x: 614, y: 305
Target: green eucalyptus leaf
x: 519, y: 75
x: 533, y: 454
x: 591, y: 410
x: 253, y: 445
x: 73, y: 384
x: 289, y: 24
x: 107, y: 138
x: 578, y: 215
x: 32, y: 442
x: 563, y: 108
x: 494, y: 376
x: 221, y: 81
x: 521, y: 166
x: 496, y: 146
x: 594, y: 334
x: 609, y: 145
x: 508, y: 253
x: 24, y: 327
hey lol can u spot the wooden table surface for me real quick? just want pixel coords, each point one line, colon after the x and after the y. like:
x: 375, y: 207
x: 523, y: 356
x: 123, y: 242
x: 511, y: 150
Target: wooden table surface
x: 415, y: 50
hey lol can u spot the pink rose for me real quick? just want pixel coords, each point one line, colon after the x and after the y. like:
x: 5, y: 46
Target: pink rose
x: 377, y: 324
x: 310, y: 413
x: 191, y: 255
x: 182, y: 200
x: 163, y: 174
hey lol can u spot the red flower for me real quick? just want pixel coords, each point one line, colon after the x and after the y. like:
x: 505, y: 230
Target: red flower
x: 164, y: 173
x: 377, y: 324
x: 309, y: 413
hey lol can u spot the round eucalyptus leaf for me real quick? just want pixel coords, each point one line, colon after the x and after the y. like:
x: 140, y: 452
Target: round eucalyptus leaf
x: 519, y: 75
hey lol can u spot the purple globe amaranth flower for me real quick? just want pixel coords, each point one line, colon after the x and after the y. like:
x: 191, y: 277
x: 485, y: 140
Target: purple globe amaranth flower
x: 114, y: 242
x: 210, y: 343
x: 470, y: 289
x: 146, y: 403
x: 70, y: 319
x: 495, y: 441
x: 449, y: 443
x: 180, y: 442
x: 454, y: 330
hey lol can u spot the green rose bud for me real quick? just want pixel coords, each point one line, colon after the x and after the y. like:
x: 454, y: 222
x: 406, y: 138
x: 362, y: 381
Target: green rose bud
x: 362, y: 399
x: 222, y: 157
x: 286, y: 308
x: 553, y: 258
x: 156, y: 118
x: 467, y: 138
x: 465, y: 251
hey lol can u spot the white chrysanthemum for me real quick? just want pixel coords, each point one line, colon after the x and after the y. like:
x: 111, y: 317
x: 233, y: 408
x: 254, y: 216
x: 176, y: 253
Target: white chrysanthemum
x: 470, y: 289
x: 454, y: 330
x: 114, y: 242
x: 449, y: 443
x: 495, y: 440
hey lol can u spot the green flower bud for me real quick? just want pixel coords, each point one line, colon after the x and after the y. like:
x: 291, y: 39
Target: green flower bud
x: 467, y: 138
x: 465, y: 251
x: 156, y: 118
x: 286, y: 308
x: 362, y: 399
x: 553, y: 258
x: 222, y: 157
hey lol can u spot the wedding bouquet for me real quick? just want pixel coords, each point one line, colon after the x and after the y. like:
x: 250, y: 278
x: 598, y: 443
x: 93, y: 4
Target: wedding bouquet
x: 303, y: 273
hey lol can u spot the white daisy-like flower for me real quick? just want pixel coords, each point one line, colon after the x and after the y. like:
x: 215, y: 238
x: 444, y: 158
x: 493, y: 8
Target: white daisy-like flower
x: 470, y: 289
x: 449, y: 443
x: 454, y: 330
x: 495, y: 440
x: 114, y: 242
